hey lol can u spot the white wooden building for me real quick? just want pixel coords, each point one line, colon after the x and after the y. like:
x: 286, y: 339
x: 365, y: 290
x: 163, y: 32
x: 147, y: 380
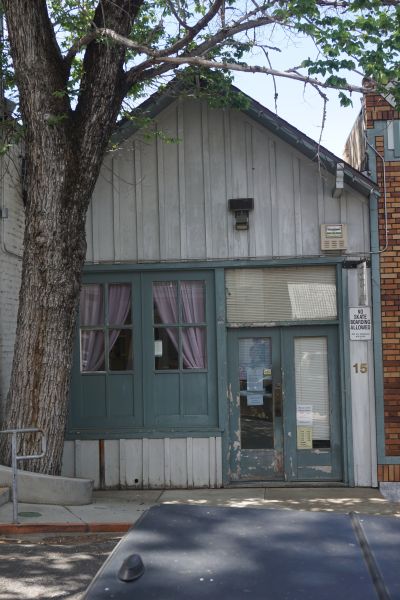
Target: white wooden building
x: 216, y: 344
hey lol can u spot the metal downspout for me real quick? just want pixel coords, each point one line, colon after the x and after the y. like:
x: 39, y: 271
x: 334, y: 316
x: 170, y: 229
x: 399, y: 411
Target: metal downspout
x: 376, y: 320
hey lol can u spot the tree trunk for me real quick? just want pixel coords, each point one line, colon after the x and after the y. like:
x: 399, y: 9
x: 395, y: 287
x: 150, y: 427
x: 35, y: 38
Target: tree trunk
x: 64, y: 151
x: 54, y: 253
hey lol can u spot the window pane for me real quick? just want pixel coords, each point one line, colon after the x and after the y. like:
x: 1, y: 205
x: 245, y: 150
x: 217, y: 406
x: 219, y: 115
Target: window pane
x: 119, y: 304
x: 92, y: 350
x: 166, y: 343
x: 194, y: 347
x: 92, y: 305
x: 256, y: 399
x: 192, y: 299
x: 281, y: 294
x: 165, y: 302
x: 312, y: 392
x: 120, y: 350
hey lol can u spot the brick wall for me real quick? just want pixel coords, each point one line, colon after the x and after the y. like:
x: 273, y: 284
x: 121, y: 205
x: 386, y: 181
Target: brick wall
x: 377, y: 109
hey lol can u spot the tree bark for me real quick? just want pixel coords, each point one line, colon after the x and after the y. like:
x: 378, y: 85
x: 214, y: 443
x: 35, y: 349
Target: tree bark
x: 64, y: 152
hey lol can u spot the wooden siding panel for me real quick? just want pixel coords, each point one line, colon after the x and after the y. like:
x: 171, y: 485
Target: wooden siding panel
x: 331, y: 205
x: 125, y: 203
x: 220, y: 217
x: 168, y: 153
x: 112, y: 463
x: 238, y: 150
x: 194, y: 178
x: 131, y: 463
x: 355, y: 227
x: 309, y: 186
x: 285, y: 199
x: 103, y: 214
x: 150, y: 249
x: 261, y: 217
x: 169, y: 201
x: 201, y: 462
x: 156, y: 463
x: 178, y: 458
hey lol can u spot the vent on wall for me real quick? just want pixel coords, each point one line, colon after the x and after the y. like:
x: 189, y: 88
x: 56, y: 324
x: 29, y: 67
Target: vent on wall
x: 334, y: 237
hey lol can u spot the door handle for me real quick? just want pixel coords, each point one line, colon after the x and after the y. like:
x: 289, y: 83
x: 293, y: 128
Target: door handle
x: 277, y: 397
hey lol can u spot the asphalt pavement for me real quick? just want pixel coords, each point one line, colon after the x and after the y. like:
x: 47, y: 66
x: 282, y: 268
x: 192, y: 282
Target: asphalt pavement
x: 64, y: 547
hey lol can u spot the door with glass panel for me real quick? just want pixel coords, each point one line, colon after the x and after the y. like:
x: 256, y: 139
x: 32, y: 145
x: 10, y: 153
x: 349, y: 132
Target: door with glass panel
x: 313, y: 417
x: 255, y: 406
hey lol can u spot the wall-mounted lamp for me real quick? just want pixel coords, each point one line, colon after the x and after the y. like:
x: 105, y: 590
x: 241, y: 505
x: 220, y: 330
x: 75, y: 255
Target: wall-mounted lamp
x: 241, y: 208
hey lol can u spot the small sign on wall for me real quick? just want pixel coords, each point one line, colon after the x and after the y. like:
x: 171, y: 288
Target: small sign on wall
x: 360, y: 323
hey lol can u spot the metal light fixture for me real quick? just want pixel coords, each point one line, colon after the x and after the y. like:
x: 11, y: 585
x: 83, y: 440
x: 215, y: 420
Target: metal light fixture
x: 241, y: 208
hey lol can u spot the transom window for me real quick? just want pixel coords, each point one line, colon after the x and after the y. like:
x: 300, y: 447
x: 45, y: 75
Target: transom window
x: 179, y: 322
x: 106, y: 329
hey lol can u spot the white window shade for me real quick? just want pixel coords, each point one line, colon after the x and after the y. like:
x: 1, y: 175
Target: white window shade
x: 311, y: 372
x: 282, y: 294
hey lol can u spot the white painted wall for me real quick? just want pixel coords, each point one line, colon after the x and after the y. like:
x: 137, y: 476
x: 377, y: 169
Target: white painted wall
x: 169, y: 201
x: 147, y: 463
x: 362, y: 400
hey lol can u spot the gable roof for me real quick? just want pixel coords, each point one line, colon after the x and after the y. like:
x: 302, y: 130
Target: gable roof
x: 159, y: 101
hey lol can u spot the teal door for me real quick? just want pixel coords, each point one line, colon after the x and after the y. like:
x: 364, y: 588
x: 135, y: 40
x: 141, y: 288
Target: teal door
x: 284, y: 404
x: 255, y: 392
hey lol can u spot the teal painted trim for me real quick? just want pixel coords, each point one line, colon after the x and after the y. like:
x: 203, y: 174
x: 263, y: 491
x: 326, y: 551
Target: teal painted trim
x: 103, y: 268
x: 377, y: 329
x: 222, y: 368
x: 396, y: 138
x: 285, y: 323
x: 390, y: 460
x: 122, y: 434
x: 345, y: 377
x: 380, y: 129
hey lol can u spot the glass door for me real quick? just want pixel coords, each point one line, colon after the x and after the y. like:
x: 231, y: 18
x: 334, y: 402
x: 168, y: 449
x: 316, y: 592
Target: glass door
x: 255, y: 405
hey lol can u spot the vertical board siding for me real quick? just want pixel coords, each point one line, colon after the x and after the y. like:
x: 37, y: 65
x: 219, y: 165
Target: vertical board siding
x: 261, y: 218
x: 111, y: 463
x: 125, y: 202
x: 194, y: 181
x: 221, y: 220
x: 148, y: 181
x: 147, y: 463
x: 131, y: 463
x: 165, y: 197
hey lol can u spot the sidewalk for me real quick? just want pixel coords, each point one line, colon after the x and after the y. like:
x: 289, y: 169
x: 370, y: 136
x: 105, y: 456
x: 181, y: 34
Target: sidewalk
x: 117, y: 511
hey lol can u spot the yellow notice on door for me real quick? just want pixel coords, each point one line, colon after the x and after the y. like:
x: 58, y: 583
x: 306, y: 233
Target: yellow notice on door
x: 304, y: 438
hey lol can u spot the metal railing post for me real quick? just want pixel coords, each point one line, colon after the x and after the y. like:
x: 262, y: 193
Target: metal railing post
x: 15, y: 458
x: 14, y: 476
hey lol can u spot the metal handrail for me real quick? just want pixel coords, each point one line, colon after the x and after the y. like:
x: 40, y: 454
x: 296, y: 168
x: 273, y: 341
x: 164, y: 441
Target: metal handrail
x: 15, y: 458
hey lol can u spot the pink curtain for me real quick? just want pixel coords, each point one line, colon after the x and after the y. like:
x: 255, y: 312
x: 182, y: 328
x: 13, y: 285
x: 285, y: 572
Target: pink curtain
x: 165, y: 299
x: 92, y: 342
x: 119, y: 304
x: 193, y: 311
x: 92, y: 313
x: 193, y: 338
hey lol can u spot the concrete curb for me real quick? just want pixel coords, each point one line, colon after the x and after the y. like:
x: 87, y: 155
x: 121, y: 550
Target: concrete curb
x: 20, y: 528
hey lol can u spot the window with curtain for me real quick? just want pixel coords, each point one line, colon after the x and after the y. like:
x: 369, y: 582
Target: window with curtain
x: 179, y: 321
x: 106, y: 329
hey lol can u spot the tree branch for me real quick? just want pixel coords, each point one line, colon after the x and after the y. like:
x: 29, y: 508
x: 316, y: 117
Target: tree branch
x: 210, y: 64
